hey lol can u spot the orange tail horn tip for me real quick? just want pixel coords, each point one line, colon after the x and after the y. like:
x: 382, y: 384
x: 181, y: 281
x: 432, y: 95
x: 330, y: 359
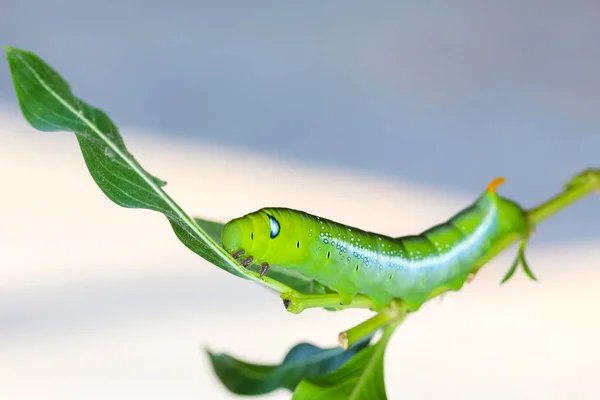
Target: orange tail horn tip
x: 493, y: 185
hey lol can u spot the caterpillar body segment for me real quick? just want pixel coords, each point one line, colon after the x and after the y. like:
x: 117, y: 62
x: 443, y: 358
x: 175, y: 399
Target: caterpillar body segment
x: 350, y: 261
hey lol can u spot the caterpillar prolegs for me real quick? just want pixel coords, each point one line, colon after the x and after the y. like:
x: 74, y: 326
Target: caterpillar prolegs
x: 351, y: 261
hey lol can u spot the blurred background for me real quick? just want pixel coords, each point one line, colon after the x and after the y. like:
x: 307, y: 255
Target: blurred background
x: 390, y: 116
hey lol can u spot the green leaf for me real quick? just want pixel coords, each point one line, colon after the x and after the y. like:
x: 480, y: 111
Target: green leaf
x: 48, y: 104
x: 212, y: 228
x: 512, y: 270
x: 362, y: 378
x: 303, y: 361
x: 524, y: 262
x: 520, y: 259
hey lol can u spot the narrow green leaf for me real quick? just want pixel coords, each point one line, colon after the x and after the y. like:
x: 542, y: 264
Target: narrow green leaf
x: 48, y: 104
x: 511, y: 271
x: 361, y: 378
x: 520, y: 259
x: 212, y: 228
x: 303, y: 361
x: 524, y: 263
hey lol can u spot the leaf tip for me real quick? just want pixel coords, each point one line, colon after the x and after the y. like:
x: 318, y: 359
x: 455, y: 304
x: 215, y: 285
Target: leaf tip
x: 12, y: 53
x: 159, y: 181
x: 11, y: 50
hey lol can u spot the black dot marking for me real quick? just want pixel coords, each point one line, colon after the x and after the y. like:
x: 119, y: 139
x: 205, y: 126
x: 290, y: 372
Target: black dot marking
x: 297, y: 245
x: 273, y: 226
x: 356, y: 269
x: 328, y: 254
x: 390, y: 278
x: 252, y: 236
x: 286, y: 303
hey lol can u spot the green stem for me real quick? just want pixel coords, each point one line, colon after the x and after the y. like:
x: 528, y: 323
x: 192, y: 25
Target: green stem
x: 296, y: 302
x: 388, y: 331
x: 394, y: 313
x: 580, y: 186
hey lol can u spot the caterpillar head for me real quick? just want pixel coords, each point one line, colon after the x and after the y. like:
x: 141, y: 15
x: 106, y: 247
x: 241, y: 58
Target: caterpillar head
x: 250, y: 233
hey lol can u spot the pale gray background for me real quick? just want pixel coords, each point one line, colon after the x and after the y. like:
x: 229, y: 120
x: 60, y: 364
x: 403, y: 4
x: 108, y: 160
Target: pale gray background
x: 444, y: 95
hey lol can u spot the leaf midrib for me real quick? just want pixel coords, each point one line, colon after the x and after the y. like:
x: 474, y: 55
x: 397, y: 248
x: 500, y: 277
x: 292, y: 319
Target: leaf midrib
x: 379, y: 347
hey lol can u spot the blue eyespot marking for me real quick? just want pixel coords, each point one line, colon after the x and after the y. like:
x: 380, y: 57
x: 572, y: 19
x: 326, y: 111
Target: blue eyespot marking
x: 274, y: 226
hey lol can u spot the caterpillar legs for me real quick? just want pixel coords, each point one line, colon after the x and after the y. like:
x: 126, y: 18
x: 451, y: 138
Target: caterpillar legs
x: 238, y: 254
x: 469, y: 279
x: 264, y: 267
x: 296, y: 302
x: 246, y: 262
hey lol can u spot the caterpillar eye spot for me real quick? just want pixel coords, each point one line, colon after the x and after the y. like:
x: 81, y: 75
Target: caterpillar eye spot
x: 356, y: 269
x: 252, y: 236
x: 328, y: 254
x: 297, y: 245
x: 274, y: 227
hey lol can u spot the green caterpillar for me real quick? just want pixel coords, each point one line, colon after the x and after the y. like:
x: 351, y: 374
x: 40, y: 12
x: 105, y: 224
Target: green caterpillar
x: 351, y: 261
